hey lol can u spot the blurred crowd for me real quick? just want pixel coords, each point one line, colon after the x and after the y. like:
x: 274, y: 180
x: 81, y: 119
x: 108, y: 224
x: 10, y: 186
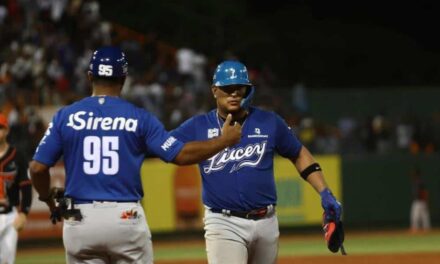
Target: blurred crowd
x: 376, y: 134
x: 45, y: 47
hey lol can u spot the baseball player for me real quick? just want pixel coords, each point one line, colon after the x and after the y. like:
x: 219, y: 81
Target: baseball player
x: 103, y: 140
x: 239, y: 193
x: 14, y: 181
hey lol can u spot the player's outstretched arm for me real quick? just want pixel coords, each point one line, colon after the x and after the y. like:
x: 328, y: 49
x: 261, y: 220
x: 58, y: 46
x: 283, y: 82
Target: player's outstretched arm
x: 197, y: 151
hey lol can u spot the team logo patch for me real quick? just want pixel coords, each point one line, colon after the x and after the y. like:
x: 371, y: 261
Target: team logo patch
x: 168, y: 143
x: 129, y: 214
x: 213, y: 132
x: 257, y: 134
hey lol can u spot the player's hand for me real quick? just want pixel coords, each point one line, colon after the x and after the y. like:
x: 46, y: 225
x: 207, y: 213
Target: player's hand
x: 56, y: 215
x: 332, y: 208
x: 53, y: 202
x: 231, y: 131
x: 20, y: 221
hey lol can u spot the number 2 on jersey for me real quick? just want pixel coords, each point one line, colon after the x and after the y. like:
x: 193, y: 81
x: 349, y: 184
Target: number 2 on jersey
x: 101, y: 153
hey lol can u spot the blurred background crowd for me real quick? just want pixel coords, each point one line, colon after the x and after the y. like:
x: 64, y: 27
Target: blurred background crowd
x: 45, y: 47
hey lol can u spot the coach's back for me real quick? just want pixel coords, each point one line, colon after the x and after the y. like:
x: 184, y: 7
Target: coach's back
x: 104, y: 139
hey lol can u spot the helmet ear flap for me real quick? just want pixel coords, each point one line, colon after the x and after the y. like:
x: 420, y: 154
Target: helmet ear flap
x: 246, y: 101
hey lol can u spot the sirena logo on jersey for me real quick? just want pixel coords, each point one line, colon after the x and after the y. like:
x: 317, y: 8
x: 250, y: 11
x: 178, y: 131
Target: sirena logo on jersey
x: 78, y: 121
x: 248, y: 156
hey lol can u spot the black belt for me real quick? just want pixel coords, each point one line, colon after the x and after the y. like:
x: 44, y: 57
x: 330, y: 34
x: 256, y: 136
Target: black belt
x: 255, y: 214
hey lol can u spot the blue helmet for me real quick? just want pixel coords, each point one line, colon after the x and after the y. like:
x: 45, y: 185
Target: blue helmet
x: 108, y: 62
x: 232, y: 73
x: 229, y: 73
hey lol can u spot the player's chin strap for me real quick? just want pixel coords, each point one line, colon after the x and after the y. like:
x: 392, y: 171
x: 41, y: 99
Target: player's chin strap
x: 246, y: 102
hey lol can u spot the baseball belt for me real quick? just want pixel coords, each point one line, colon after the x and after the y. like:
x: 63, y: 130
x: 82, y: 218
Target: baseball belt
x: 101, y: 201
x: 255, y: 214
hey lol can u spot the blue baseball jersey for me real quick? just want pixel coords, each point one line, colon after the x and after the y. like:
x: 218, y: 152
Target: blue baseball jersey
x: 241, y: 177
x: 103, y: 141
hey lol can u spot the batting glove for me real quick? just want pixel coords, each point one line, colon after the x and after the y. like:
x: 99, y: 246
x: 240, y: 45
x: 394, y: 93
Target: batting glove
x: 331, y: 206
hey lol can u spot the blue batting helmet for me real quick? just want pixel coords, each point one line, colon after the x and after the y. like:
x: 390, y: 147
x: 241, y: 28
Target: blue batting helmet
x: 108, y: 62
x: 230, y: 73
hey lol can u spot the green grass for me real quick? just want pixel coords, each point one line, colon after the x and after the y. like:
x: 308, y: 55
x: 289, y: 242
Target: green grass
x: 366, y: 244
x: 356, y: 244
x: 48, y: 258
x: 395, y: 244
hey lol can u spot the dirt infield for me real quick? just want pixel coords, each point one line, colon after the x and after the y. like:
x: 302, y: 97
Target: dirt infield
x: 418, y: 258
